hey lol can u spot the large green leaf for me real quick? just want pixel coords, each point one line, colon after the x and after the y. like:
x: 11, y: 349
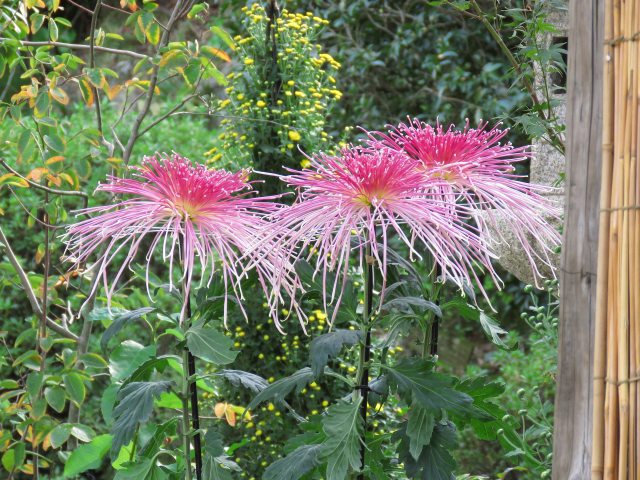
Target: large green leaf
x: 213, y: 470
x: 488, y: 419
x: 134, y: 407
x: 341, y: 449
x: 435, y: 461
x: 281, y: 388
x: 127, y: 357
x: 411, y: 305
x: 213, y: 443
x: 416, y: 378
x: 209, y: 344
x: 420, y: 426
x: 160, y: 434
x: 56, y: 398
x: 87, y: 457
x: 120, y: 322
x: 292, y: 467
x: 329, y: 345
x: 239, y: 378
x: 135, y: 471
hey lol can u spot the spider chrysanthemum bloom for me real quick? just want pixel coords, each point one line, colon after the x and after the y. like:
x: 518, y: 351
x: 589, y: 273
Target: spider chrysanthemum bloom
x: 477, y: 168
x: 368, y: 195
x: 183, y: 212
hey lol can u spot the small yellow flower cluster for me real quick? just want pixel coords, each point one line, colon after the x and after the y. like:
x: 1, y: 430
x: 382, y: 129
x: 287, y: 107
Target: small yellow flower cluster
x: 295, y: 106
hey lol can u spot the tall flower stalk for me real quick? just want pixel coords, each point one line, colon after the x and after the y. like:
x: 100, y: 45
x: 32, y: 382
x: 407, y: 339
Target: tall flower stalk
x: 191, y: 215
x: 437, y: 191
x: 370, y: 194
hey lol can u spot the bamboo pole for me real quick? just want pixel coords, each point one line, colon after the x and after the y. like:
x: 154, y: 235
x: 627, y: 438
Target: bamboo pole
x: 599, y: 367
x: 616, y: 414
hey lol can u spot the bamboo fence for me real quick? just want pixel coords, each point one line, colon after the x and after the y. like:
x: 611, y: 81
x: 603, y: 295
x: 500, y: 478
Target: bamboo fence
x: 616, y: 394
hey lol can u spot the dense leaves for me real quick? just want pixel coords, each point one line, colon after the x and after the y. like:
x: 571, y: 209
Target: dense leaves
x: 209, y: 344
x: 415, y: 379
x: 135, y: 404
x: 327, y: 346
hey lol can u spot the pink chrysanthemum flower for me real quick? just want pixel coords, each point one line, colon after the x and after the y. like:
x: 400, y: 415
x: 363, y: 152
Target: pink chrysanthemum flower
x: 478, y: 170
x: 366, y: 195
x: 190, y: 214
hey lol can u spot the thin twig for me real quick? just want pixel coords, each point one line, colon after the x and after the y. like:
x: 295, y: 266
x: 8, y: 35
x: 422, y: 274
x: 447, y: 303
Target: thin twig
x: 92, y: 62
x: 31, y: 296
x: 80, y: 7
x: 33, y: 184
x: 167, y: 114
x: 76, y: 46
x: 152, y: 85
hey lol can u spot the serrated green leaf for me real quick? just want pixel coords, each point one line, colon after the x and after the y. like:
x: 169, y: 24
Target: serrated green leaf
x: 209, y: 344
x: 420, y: 426
x: 432, y: 390
x: 329, y: 345
x: 127, y: 357
x: 134, y: 407
x: 212, y: 470
x: 281, y: 388
x: 160, y: 434
x: 292, y: 467
x: 108, y: 401
x: 239, y: 378
x: 343, y: 427
x: 489, y: 418
x: 120, y: 322
x: 435, y: 462
x: 88, y: 456
x: 494, y: 332
x: 412, y: 304
x: 213, y: 443
x: 135, y: 471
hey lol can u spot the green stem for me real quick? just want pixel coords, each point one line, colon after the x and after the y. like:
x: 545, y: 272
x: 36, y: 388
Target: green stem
x: 185, y: 414
x: 132, y: 455
x: 431, y: 319
x: 365, y: 350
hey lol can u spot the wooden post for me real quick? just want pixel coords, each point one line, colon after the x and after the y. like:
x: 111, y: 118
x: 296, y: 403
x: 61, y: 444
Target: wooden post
x: 574, y: 397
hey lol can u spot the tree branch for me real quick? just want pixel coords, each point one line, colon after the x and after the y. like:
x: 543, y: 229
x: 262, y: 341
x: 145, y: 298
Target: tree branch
x: 152, y: 84
x: 92, y: 62
x: 28, y: 289
x: 33, y: 184
x: 76, y: 46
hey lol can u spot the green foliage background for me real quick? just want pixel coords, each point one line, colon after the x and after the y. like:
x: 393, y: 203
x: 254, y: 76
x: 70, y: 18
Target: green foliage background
x: 391, y: 59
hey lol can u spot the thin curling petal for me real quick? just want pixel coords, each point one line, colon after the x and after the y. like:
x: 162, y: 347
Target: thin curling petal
x: 199, y: 215
x: 478, y: 169
x: 368, y: 194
